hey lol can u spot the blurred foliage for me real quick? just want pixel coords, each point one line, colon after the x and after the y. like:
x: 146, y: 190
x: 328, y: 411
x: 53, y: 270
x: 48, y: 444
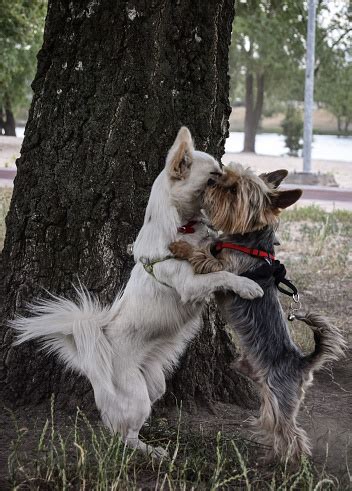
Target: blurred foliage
x: 292, y: 128
x: 333, y: 87
x: 21, y: 34
x: 333, y: 72
x: 269, y: 37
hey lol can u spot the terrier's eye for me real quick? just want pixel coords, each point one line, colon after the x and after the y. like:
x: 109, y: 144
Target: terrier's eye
x: 231, y: 190
x: 211, y: 182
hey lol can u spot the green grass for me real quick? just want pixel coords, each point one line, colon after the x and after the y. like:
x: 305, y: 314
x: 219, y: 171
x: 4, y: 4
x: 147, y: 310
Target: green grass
x: 316, y: 214
x: 317, y: 233
x: 88, y: 457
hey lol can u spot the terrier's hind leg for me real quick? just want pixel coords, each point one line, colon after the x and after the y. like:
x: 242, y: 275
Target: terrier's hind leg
x: 277, y: 421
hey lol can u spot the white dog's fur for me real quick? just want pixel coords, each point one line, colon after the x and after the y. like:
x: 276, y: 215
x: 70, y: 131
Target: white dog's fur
x: 127, y: 349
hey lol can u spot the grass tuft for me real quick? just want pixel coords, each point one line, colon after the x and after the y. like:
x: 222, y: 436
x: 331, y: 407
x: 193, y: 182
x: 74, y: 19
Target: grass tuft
x: 316, y: 250
x: 315, y: 213
x: 85, y: 456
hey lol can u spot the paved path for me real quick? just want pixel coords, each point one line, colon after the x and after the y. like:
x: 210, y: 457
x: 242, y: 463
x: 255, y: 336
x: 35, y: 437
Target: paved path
x: 326, y: 197
x: 7, y: 174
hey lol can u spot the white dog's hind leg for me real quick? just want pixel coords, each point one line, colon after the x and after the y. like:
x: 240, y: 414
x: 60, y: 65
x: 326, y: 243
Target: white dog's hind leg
x: 132, y: 441
x: 155, y: 379
x: 126, y: 412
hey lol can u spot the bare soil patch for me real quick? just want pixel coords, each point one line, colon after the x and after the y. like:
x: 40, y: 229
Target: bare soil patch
x: 326, y: 416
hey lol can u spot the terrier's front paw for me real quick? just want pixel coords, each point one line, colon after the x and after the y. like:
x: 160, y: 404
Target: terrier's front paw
x: 181, y: 249
x: 249, y: 289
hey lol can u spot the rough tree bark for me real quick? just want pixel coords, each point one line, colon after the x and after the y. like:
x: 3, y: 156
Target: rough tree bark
x: 115, y: 81
x: 254, y: 106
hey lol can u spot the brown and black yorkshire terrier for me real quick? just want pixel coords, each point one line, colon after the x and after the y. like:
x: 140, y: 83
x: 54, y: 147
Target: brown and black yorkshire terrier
x: 245, y: 208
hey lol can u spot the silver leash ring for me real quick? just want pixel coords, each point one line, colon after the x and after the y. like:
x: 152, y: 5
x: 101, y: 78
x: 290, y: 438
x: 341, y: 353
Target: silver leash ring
x: 295, y: 298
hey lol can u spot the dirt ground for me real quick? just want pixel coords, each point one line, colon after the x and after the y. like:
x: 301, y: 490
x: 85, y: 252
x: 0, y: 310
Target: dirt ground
x: 326, y: 415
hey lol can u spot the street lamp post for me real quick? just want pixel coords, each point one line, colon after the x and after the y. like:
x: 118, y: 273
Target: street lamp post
x: 309, y: 88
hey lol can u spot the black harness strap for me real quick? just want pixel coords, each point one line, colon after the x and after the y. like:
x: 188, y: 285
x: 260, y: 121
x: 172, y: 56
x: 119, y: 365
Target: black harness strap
x: 276, y: 270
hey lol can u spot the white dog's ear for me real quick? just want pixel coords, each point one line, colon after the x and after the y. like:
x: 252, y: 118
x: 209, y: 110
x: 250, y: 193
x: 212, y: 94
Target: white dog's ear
x: 180, y: 156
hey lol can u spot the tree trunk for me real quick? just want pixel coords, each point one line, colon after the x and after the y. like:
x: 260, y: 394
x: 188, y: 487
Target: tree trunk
x: 338, y: 126
x: 254, y: 108
x: 2, y: 123
x: 10, y: 123
x: 115, y: 81
x: 347, y: 123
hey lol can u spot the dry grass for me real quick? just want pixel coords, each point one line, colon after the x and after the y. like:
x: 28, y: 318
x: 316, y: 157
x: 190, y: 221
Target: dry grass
x: 83, y: 456
x: 317, y: 251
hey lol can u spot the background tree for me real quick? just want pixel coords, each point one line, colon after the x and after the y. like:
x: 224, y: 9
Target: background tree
x: 115, y: 81
x: 21, y: 33
x: 267, y: 55
x: 292, y: 128
x: 334, y: 67
x: 268, y: 41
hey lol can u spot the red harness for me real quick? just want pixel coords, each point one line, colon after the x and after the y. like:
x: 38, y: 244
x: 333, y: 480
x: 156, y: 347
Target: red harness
x: 188, y: 228
x: 219, y: 246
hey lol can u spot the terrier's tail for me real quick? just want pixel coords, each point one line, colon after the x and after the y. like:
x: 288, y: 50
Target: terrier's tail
x: 74, y: 331
x: 329, y: 342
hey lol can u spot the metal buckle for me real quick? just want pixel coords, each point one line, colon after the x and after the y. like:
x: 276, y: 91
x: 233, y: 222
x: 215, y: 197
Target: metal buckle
x: 291, y: 316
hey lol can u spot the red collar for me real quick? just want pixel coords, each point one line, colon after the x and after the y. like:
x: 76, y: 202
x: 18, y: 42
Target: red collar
x: 188, y: 228
x: 219, y: 246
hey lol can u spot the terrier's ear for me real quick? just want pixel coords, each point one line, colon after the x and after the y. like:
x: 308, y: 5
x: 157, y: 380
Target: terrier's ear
x: 284, y: 199
x: 274, y: 178
x: 179, y: 158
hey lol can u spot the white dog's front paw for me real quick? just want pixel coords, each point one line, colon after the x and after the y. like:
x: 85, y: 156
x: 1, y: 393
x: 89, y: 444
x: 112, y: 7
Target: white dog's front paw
x: 158, y: 453
x: 248, y: 289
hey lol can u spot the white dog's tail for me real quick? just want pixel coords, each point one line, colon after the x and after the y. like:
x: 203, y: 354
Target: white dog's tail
x: 74, y: 331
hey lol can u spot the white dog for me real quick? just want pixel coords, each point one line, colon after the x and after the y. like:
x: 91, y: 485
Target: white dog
x: 127, y: 349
